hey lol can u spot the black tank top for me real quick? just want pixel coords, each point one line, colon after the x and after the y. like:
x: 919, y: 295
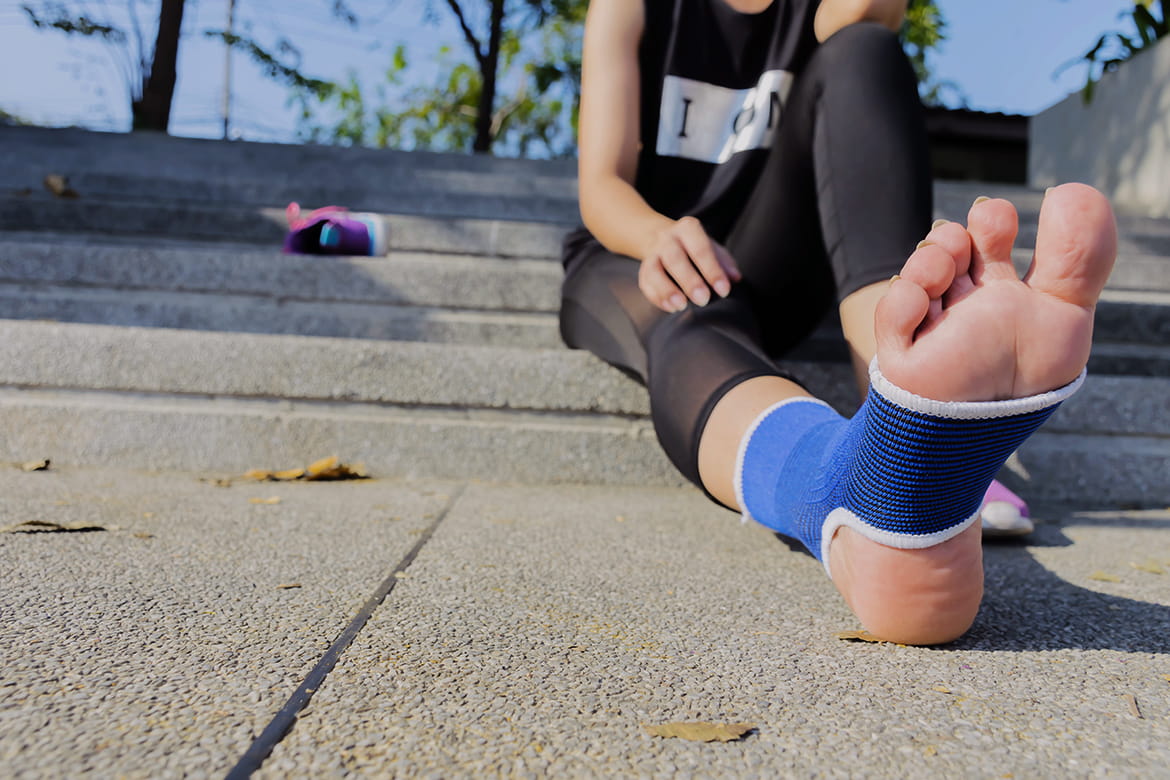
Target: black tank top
x: 713, y: 86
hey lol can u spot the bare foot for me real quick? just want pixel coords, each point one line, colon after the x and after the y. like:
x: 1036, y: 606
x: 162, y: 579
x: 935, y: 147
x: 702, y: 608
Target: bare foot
x: 960, y: 325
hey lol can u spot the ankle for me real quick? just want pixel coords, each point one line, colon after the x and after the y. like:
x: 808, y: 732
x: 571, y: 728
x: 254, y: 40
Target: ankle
x: 915, y: 597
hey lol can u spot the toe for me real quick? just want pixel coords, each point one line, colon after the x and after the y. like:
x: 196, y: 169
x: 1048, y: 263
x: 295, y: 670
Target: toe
x: 898, y: 315
x: 932, y: 268
x: 1076, y: 244
x: 954, y: 238
x: 993, y: 225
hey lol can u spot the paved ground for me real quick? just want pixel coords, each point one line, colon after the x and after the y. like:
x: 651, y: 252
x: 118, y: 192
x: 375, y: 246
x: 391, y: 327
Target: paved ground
x: 537, y: 631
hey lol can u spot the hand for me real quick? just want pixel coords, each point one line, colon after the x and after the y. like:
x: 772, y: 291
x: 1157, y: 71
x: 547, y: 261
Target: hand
x: 684, y: 262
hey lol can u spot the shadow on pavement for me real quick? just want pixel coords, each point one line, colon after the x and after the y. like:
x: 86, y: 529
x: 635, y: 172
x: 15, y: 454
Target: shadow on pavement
x: 1028, y: 607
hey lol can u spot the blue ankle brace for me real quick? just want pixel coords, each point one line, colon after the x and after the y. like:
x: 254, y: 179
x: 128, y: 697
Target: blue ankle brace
x: 905, y: 472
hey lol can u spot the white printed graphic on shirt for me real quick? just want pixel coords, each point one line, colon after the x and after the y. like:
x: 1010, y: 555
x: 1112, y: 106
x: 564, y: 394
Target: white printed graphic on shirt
x: 704, y: 122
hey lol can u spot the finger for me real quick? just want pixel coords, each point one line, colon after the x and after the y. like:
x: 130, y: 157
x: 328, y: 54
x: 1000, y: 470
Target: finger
x: 681, y: 268
x: 701, y: 250
x: 659, y: 288
x: 727, y: 261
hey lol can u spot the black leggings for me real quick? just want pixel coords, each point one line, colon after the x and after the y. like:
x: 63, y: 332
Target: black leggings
x: 843, y: 198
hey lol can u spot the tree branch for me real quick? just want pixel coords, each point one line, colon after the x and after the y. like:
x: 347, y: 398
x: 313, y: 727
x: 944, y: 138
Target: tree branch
x: 472, y: 41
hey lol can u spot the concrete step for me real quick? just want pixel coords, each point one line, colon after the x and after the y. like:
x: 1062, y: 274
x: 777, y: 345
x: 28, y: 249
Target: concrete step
x: 423, y: 253
x: 249, y: 314
x: 265, y: 226
x: 151, y: 398
x: 418, y: 296
x: 442, y: 360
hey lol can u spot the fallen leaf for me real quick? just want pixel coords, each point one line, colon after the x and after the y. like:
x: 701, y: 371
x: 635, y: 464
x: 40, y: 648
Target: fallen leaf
x: 1133, y: 706
x: 35, y: 465
x: 941, y: 689
x: 930, y: 750
x: 1166, y: 677
x: 143, y: 535
x: 59, y: 186
x: 271, y: 501
x: 1149, y: 567
x: 332, y: 468
x: 47, y: 527
x: 1101, y: 576
x: 324, y: 470
x: 701, y: 731
x: 288, y: 586
x: 858, y: 636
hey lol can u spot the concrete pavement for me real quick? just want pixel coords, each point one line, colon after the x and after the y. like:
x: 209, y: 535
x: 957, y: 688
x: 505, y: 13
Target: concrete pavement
x: 536, y: 633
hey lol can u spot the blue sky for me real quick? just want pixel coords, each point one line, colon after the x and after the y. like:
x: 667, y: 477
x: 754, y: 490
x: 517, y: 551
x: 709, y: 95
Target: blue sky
x: 1001, y: 53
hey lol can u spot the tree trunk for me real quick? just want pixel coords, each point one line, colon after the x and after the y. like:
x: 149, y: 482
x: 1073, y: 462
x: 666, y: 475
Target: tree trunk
x: 153, y: 110
x: 487, y: 68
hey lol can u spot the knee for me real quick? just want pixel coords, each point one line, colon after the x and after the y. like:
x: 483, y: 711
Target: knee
x: 859, y: 46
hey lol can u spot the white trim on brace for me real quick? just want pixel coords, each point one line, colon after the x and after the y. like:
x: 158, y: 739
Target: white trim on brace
x: 969, y: 410
x: 746, y: 440
x: 844, y: 517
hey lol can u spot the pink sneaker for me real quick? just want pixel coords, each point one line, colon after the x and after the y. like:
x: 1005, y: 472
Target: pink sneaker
x: 1004, y: 513
x: 334, y: 231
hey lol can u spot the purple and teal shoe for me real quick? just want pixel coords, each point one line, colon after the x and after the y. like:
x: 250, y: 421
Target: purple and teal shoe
x: 1004, y: 513
x: 335, y: 231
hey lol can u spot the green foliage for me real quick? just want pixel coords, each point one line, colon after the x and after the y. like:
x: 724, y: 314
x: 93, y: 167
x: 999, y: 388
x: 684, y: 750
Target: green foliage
x: 273, y: 67
x: 11, y: 120
x: 58, y: 18
x: 1116, y: 47
x: 534, y: 114
x: 924, y: 30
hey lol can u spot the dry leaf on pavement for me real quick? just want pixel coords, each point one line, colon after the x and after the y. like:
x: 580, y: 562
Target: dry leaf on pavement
x: 48, y: 527
x: 271, y: 501
x: 324, y: 470
x: 1101, y: 576
x: 59, y: 186
x: 858, y: 636
x: 701, y: 731
x: 35, y: 465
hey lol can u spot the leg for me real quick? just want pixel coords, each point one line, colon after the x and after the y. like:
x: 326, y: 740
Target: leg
x: 961, y: 328
x: 688, y: 361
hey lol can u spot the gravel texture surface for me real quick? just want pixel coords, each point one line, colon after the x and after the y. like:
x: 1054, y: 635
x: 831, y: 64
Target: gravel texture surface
x: 541, y: 629
x: 160, y: 646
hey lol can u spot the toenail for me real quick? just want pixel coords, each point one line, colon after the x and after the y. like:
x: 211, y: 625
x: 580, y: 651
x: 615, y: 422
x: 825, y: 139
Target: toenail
x: 924, y: 243
x: 981, y: 199
x: 938, y: 223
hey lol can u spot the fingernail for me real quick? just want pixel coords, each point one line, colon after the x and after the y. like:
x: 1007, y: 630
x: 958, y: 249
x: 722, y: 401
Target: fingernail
x: 980, y: 199
x: 701, y: 296
x: 895, y: 278
x: 722, y: 287
x: 677, y: 302
x: 938, y: 223
x: 1048, y: 191
x: 924, y: 243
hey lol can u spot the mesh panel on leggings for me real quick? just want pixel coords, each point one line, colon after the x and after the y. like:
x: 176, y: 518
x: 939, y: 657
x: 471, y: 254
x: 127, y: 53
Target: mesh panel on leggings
x: 687, y: 360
